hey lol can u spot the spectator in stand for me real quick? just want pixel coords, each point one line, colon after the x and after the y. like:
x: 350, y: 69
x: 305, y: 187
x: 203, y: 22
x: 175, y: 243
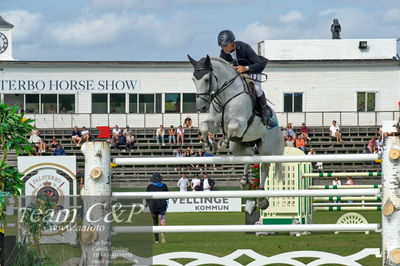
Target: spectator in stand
x: 76, y: 136
x: 158, y: 207
x: 335, y: 132
x: 171, y: 135
x: 207, y: 183
x: 289, y: 132
x: 115, y: 134
x: 305, y: 131
x: 350, y: 181
x: 289, y: 142
x: 188, y: 153
x: 37, y: 141
x: 183, y: 183
x: 300, y: 143
x: 187, y: 123
x: 211, y: 141
x: 53, y: 144
x: 121, y: 142
x: 178, y: 152
x: 59, y: 150
x: 336, y: 181
x: 126, y: 131
x: 195, y: 184
x: 130, y: 140
x: 317, y: 165
x: 85, y: 134
x: 379, y: 144
x: 206, y: 154
x: 180, y: 132
x: 160, y: 135
x: 371, y: 145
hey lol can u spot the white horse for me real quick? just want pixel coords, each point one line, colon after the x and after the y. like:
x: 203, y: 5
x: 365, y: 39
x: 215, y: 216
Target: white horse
x: 225, y: 95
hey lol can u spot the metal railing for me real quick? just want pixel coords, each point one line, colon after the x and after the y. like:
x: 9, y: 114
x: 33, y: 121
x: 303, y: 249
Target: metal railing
x: 343, y: 118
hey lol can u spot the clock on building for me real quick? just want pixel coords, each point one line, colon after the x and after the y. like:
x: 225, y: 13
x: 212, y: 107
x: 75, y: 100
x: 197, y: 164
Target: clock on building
x: 3, y: 43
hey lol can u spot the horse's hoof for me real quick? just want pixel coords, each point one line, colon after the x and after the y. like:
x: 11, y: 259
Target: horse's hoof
x: 262, y: 203
x: 244, y: 183
x: 222, y: 145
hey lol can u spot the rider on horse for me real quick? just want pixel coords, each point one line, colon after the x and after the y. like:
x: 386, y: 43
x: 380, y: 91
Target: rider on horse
x: 245, y: 60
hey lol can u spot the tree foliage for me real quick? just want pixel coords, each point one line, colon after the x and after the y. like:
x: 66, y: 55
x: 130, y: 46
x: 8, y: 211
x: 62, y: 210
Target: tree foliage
x: 14, y: 130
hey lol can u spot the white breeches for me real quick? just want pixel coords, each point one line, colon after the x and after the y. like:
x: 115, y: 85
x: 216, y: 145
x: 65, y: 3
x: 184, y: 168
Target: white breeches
x: 257, y: 83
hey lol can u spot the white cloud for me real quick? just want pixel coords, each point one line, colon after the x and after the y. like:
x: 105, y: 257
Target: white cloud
x: 255, y: 32
x: 158, y: 5
x: 91, y: 30
x: 290, y: 17
x: 26, y: 24
x: 112, y: 28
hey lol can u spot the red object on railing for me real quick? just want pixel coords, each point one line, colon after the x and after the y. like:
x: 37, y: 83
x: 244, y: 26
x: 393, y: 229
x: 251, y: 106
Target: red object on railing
x: 104, y: 132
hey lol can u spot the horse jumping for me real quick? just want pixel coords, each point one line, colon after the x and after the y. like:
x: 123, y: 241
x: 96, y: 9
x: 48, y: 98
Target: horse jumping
x: 226, y: 96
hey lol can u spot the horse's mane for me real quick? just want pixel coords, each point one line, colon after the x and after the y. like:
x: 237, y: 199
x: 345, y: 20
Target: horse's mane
x: 222, y: 61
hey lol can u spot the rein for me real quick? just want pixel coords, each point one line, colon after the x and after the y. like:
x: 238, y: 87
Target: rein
x: 212, y: 97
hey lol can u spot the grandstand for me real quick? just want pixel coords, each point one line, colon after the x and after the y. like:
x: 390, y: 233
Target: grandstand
x: 355, y: 138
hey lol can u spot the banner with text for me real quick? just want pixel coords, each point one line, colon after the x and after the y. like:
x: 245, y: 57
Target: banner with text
x: 205, y: 205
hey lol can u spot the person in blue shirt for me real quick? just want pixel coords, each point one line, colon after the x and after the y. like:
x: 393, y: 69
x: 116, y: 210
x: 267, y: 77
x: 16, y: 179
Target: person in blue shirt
x: 59, y: 150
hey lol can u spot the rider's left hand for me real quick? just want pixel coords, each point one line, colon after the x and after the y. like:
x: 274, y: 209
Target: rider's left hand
x: 242, y: 69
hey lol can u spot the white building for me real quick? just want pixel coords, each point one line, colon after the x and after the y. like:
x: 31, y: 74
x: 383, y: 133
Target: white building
x: 356, y: 82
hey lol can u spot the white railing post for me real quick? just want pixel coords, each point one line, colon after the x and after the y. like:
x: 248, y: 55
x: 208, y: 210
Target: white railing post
x: 96, y: 194
x: 391, y: 202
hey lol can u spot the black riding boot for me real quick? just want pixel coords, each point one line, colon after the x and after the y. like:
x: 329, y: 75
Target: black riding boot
x: 265, y: 111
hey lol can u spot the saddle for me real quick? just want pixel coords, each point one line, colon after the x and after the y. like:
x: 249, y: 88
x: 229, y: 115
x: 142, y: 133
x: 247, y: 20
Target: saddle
x: 251, y: 91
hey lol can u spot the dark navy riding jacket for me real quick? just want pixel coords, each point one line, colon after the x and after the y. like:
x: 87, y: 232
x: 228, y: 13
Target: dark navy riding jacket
x: 246, y: 57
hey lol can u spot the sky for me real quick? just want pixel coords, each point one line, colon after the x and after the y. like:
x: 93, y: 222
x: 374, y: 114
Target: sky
x: 168, y: 30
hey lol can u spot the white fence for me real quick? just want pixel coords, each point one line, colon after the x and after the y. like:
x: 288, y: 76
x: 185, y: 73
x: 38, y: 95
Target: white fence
x: 176, y: 119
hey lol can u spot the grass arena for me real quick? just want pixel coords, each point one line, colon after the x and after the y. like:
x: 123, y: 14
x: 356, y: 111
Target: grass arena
x: 190, y: 234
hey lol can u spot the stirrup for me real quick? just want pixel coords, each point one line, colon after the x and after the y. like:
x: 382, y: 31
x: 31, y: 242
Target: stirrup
x: 273, y: 121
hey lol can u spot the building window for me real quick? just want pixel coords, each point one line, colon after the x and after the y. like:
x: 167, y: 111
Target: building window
x: 133, y: 105
x: 172, y: 103
x: 66, y: 103
x: 32, y: 103
x: 189, y: 103
x: 49, y: 103
x: 293, y: 102
x: 117, y: 103
x: 366, y: 101
x: 99, y: 103
x: 14, y: 99
x: 146, y: 103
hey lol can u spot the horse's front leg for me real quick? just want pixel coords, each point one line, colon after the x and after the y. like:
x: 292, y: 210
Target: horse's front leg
x: 263, y: 203
x: 205, y: 127
x: 236, y: 129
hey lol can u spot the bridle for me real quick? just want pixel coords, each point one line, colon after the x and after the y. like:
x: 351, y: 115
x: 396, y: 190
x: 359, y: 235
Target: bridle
x: 211, y: 96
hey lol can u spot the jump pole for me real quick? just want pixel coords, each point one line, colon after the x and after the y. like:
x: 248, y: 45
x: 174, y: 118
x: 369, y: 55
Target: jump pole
x: 249, y: 194
x: 343, y: 174
x: 246, y: 228
x: 344, y: 186
x: 247, y: 159
x: 316, y: 199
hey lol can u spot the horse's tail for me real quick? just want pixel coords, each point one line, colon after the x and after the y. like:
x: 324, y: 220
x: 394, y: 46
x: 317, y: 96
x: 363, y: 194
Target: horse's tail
x: 280, y: 151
